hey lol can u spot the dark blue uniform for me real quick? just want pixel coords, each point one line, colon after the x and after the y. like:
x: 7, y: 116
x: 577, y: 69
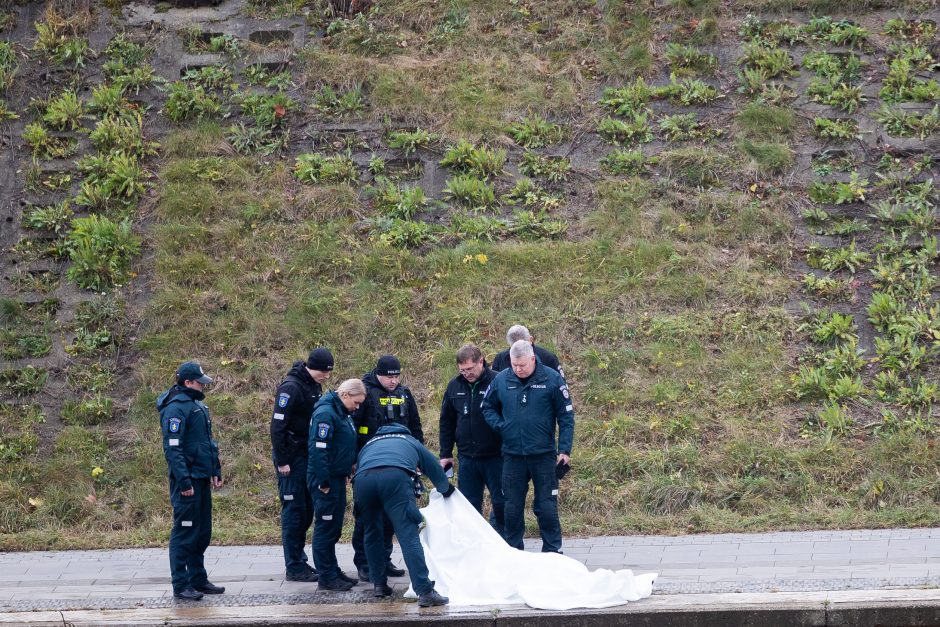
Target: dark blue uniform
x: 382, y: 407
x: 480, y: 461
x: 332, y: 453
x: 290, y: 425
x: 383, y: 486
x: 193, y: 459
x: 525, y: 414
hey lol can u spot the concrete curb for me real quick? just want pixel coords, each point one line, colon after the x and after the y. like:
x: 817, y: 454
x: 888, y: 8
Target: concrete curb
x: 856, y: 608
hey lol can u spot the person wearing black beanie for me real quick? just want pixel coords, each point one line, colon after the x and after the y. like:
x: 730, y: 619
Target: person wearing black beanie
x: 294, y: 401
x: 387, y: 402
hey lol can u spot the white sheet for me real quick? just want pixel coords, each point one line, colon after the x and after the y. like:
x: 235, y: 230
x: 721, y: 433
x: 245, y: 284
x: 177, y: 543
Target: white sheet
x: 472, y: 565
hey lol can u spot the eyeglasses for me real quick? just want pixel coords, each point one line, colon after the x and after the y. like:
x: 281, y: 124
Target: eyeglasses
x: 468, y: 369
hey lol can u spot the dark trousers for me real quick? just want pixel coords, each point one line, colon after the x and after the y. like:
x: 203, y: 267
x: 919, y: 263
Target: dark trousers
x: 192, y: 530
x: 358, y: 540
x: 296, y: 514
x: 390, y: 492
x: 518, y: 470
x: 329, y: 510
x: 475, y: 473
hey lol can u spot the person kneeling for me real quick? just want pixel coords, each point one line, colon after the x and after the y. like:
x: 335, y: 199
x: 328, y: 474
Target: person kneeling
x: 384, y: 483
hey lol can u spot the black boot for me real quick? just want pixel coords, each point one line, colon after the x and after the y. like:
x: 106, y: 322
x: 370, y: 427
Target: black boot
x: 432, y: 598
x: 188, y: 594
x: 382, y: 591
x: 210, y: 588
x: 393, y: 571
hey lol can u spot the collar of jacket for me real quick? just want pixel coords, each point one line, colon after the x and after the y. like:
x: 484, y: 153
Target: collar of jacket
x: 299, y: 371
x: 338, y: 403
x: 539, y: 374
x: 485, y: 377
x: 371, y: 380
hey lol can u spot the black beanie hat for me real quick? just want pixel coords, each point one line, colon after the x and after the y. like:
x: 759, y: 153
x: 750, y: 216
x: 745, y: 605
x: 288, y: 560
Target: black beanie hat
x: 387, y: 365
x: 320, y: 359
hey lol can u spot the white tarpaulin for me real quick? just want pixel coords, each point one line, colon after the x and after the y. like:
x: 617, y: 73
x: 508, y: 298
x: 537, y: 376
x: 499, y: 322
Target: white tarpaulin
x: 472, y: 565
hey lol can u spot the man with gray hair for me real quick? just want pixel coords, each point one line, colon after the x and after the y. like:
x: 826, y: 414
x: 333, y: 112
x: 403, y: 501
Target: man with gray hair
x: 518, y: 332
x: 524, y: 405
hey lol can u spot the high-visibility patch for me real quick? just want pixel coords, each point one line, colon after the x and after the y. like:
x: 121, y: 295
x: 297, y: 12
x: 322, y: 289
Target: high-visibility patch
x: 393, y: 400
x: 569, y: 407
x: 323, y: 430
x: 186, y: 523
x: 288, y: 497
x: 174, y: 425
x: 279, y: 416
x: 329, y: 517
x: 320, y: 445
x: 282, y: 399
x: 363, y: 430
x: 173, y: 442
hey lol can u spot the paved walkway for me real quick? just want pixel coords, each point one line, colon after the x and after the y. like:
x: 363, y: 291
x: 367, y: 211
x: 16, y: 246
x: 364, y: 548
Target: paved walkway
x: 809, y: 562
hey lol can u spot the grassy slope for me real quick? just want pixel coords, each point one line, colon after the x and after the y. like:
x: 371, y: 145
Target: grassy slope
x: 665, y: 302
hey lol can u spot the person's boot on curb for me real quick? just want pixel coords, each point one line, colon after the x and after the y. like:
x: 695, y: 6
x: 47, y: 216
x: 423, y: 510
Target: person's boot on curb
x: 382, y: 591
x: 432, y: 598
x: 210, y: 588
x: 337, y: 585
x: 344, y: 577
x: 188, y: 594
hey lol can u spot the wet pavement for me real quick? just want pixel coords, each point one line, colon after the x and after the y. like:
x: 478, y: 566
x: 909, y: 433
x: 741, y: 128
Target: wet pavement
x: 796, y: 566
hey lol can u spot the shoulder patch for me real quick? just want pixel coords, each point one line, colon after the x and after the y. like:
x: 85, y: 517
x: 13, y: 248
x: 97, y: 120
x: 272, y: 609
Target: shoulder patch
x: 282, y: 399
x: 174, y: 425
x: 564, y: 392
x: 323, y: 430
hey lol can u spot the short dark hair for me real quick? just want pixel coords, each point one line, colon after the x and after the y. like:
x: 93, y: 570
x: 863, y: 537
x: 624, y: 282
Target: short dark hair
x: 469, y: 352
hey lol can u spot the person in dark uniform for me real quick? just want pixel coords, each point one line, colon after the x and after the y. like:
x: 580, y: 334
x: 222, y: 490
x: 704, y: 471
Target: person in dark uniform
x: 387, y: 402
x: 290, y: 424
x: 384, y: 488
x: 192, y: 457
x: 332, y: 454
x: 478, y: 447
x: 518, y: 332
x: 524, y: 405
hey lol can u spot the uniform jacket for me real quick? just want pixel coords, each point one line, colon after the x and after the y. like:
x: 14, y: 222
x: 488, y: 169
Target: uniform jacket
x: 190, y: 451
x: 525, y: 414
x: 382, y: 407
x: 293, y: 405
x: 332, y: 441
x: 502, y: 362
x: 462, y: 418
x: 394, y: 446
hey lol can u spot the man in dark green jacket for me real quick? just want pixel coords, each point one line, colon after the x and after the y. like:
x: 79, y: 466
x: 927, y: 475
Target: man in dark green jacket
x: 524, y: 405
x: 331, y: 456
x: 384, y: 487
x: 193, y: 460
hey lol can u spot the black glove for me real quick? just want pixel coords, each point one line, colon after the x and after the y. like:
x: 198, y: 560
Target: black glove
x: 450, y: 490
x: 561, y: 470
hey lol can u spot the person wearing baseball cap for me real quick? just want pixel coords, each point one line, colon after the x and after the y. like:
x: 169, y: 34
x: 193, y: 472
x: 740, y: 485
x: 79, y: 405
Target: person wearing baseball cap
x: 294, y: 401
x: 194, y: 469
x: 387, y: 402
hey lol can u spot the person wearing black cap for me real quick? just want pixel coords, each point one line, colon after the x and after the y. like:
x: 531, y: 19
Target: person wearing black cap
x: 193, y: 460
x: 294, y: 401
x: 387, y: 402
